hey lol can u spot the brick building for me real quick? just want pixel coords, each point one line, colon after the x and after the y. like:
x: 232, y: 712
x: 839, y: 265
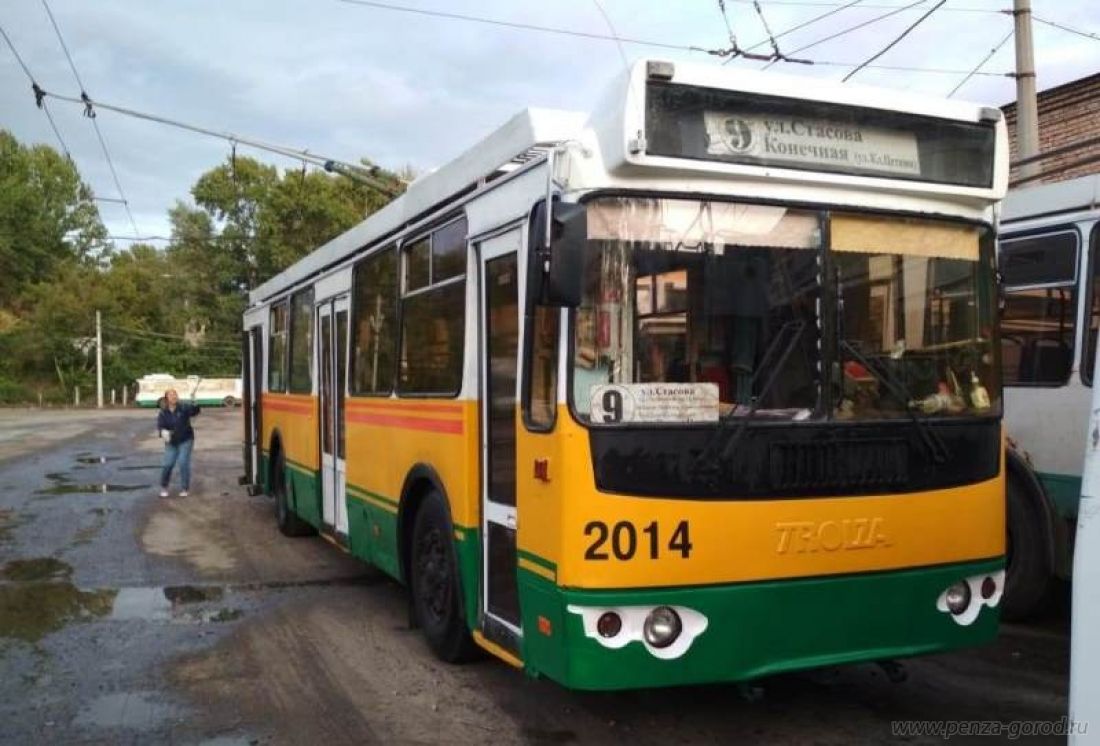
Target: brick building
x: 1068, y: 114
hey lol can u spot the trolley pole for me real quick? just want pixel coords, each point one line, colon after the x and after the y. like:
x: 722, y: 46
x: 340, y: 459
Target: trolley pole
x: 98, y: 361
x: 1027, y: 107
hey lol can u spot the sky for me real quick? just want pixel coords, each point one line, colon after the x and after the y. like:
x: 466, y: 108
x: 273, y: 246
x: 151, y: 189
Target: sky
x: 403, y: 89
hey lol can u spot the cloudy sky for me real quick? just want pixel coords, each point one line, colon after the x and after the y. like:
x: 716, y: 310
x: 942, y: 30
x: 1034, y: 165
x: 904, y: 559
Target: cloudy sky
x: 400, y: 88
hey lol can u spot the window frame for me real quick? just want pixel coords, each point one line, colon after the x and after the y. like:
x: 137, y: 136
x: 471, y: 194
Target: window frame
x: 527, y: 349
x: 284, y: 304
x: 307, y: 293
x: 353, y: 333
x: 403, y: 294
x: 1093, y: 269
x: 1073, y: 284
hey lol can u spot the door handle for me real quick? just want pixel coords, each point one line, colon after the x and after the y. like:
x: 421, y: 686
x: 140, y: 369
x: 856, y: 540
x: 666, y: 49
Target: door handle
x: 511, y: 521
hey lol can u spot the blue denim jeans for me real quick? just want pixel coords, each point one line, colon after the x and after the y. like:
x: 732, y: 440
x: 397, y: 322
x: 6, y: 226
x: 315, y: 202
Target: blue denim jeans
x: 181, y: 455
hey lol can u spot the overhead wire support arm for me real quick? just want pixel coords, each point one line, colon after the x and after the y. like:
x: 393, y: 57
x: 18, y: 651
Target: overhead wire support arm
x: 776, y: 53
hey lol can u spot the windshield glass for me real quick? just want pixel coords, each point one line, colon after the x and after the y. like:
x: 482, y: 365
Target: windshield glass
x: 915, y: 319
x: 687, y: 304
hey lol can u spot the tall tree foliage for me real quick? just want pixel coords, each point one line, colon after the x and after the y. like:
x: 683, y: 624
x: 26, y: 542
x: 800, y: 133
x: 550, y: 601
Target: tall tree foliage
x: 175, y: 310
x: 47, y: 216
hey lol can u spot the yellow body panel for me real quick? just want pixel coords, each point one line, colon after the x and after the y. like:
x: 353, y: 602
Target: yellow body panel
x: 741, y: 540
x: 295, y: 417
x: 387, y: 437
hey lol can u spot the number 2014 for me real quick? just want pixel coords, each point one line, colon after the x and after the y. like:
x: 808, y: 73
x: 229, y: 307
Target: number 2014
x: 622, y: 538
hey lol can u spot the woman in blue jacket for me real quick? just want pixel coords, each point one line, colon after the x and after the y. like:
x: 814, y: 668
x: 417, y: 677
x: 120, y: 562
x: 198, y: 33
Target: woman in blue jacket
x: 174, y: 424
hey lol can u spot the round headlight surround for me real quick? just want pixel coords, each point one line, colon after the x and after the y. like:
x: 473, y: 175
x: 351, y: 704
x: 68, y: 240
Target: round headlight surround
x: 662, y: 627
x: 609, y: 625
x: 957, y: 597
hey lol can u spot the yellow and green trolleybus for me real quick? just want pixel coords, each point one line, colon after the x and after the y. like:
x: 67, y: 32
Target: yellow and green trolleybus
x: 700, y: 386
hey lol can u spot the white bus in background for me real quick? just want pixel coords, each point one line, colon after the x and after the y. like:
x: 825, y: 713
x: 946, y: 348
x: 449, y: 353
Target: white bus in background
x: 1049, y: 261
x: 207, y: 392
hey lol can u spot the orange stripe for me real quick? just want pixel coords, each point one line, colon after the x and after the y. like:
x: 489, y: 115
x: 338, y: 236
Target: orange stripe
x: 286, y: 406
x: 390, y: 405
x: 433, y: 425
x: 301, y: 398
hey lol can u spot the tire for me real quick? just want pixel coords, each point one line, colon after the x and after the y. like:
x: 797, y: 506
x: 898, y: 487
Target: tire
x: 435, y: 585
x: 1027, y: 565
x: 289, y: 524
x: 229, y: 401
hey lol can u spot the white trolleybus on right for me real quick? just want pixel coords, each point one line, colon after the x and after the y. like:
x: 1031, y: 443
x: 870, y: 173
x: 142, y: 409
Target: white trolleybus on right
x: 1049, y: 237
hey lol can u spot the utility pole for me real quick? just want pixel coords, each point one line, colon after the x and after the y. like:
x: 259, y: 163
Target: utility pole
x: 1027, y: 107
x: 98, y: 361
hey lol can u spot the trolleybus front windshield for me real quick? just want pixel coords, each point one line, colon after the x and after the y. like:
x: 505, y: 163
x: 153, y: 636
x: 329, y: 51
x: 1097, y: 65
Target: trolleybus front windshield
x: 698, y: 310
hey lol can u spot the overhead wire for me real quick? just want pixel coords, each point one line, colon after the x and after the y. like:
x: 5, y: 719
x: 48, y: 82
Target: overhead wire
x: 723, y: 53
x: 1055, y: 24
x: 90, y: 113
x: 368, y: 174
x: 38, y: 100
x: 980, y: 65
x: 875, y: 6
x: 794, y: 28
x: 520, y: 25
x: 895, y: 41
x: 850, y: 29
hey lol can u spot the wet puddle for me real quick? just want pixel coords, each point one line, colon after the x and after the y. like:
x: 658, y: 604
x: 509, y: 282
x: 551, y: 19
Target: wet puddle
x: 36, y: 569
x: 39, y: 599
x: 63, y: 484
x: 138, y: 710
x: 98, y: 459
x: 89, y: 489
x: 162, y: 604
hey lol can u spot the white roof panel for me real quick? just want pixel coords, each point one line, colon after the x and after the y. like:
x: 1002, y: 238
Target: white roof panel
x: 528, y: 129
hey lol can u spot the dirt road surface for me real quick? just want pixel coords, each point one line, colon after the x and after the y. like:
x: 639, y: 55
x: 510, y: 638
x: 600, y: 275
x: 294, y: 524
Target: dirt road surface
x: 127, y: 618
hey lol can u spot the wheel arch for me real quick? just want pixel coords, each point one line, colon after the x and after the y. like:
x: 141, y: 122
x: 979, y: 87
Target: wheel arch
x: 275, y: 447
x: 1017, y: 466
x: 420, y: 481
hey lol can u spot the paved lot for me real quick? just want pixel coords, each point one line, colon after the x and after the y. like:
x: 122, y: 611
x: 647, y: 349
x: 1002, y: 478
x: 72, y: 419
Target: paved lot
x: 126, y: 618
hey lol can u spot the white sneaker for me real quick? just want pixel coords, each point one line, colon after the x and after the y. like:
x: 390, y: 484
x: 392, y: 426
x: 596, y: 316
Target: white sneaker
x: 183, y: 493
x: 164, y: 493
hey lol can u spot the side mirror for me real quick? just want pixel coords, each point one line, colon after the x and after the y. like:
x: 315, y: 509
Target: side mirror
x: 558, y: 264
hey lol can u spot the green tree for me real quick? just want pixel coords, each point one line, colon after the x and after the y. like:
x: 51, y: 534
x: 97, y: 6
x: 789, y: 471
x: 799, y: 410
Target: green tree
x: 47, y: 216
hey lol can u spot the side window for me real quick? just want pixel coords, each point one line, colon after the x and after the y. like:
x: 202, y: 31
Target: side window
x: 542, y: 371
x: 374, y: 328
x: 1039, y: 323
x: 1088, y: 360
x: 276, y: 348
x: 301, y: 342
x: 433, y: 312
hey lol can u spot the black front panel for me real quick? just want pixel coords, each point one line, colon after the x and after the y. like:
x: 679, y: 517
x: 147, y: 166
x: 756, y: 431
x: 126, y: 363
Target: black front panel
x: 805, y: 460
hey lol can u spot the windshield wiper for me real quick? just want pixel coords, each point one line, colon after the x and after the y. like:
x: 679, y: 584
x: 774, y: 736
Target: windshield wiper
x: 899, y: 391
x: 718, y: 447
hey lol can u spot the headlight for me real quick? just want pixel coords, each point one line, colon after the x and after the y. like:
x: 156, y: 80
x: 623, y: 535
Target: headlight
x: 662, y: 627
x: 958, y: 597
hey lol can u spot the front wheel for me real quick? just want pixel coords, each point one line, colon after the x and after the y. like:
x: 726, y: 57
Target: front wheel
x: 1027, y: 569
x: 435, y: 586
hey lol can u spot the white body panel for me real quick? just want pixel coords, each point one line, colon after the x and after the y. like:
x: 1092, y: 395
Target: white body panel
x: 1048, y: 422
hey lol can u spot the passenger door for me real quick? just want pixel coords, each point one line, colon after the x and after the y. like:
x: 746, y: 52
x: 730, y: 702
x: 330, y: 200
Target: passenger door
x: 499, y: 353
x: 252, y: 380
x: 332, y: 351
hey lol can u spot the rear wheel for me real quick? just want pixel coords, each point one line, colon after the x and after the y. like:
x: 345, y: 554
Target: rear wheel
x: 289, y: 523
x: 435, y: 586
x: 1027, y: 567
